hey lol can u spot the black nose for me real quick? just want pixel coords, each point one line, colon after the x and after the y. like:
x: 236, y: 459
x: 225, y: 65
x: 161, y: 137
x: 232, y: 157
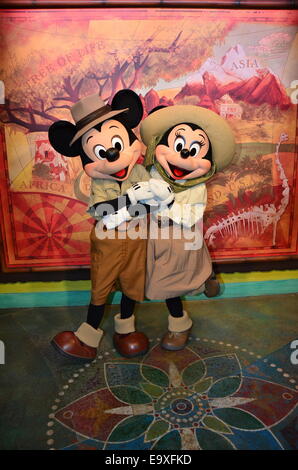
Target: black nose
x: 184, y: 153
x: 112, y: 154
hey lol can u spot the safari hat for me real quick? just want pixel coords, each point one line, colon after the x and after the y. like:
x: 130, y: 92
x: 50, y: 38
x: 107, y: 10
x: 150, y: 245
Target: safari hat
x: 90, y: 111
x: 218, y: 130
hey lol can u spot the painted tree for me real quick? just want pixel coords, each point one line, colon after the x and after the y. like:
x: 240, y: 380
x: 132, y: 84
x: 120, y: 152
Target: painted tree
x: 42, y: 84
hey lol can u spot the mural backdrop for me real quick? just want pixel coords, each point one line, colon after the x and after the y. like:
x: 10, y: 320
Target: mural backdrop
x: 240, y: 64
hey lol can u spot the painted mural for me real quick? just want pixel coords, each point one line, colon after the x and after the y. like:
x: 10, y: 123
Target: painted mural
x: 240, y: 64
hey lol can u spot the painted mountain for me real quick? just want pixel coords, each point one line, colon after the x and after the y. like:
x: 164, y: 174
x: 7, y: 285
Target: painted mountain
x: 265, y: 87
x: 152, y: 100
x: 238, y: 76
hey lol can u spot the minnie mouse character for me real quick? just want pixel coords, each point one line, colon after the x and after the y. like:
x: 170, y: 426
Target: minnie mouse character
x: 186, y: 145
x: 109, y: 149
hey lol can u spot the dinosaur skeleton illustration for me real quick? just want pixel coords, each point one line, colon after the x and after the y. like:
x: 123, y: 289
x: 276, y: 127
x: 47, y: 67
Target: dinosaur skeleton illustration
x: 256, y: 219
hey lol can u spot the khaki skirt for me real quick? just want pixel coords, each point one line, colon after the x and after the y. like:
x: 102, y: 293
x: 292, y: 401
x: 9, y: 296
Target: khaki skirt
x: 172, y: 270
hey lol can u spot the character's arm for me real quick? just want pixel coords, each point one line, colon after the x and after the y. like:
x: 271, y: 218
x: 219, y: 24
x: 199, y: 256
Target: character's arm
x: 123, y: 208
x: 188, y: 207
x: 148, y: 192
x: 163, y: 193
x: 125, y: 214
x: 136, y: 193
x: 119, y: 210
x: 113, y: 204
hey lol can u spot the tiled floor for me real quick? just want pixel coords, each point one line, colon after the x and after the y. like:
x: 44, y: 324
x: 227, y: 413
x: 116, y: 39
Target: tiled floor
x: 240, y: 349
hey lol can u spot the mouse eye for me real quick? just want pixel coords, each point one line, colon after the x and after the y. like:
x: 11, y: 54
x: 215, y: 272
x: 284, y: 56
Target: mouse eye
x: 179, y: 144
x: 194, y: 149
x: 117, y: 143
x: 100, y: 152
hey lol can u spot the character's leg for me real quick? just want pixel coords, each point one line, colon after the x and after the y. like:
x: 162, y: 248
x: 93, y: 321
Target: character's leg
x: 95, y: 315
x: 179, y: 326
x: 212, y: 286
x: 175, y: 307
x: 83, y: 343
x: 128, y: 341
x: 127, y: 307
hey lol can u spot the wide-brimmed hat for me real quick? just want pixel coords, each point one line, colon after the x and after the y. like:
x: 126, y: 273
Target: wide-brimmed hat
x: 90, y: 111
x: 217, y: 129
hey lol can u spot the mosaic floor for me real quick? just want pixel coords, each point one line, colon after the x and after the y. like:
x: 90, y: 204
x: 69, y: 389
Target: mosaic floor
x: 233, y: 387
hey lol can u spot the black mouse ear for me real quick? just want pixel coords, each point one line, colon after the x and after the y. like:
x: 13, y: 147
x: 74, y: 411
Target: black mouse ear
x: 129, y: 99
x: 60, y: 135
x: 156, y: 109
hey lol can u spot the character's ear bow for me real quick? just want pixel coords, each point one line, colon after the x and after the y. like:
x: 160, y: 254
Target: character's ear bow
x: 60, y: 135
x: 128, y: 99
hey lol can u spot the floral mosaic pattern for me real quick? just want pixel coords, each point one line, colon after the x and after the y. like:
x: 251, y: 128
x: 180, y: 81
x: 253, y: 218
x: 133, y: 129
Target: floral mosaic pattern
x: 183, y: 401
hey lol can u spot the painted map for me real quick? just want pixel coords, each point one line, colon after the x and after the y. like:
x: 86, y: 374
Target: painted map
x: 240, y: 64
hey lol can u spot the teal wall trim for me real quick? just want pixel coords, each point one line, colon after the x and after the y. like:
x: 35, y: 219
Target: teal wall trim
x: 77, y: 298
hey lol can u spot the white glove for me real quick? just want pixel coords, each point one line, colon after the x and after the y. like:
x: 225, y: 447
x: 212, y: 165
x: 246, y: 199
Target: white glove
x: 150, y: 202
x: 115, y: 219
x: 162, y: 191
x: 139, y: 191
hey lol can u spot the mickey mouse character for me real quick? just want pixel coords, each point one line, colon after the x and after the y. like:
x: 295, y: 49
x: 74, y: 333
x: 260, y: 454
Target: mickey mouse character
x: 186, y: 145
x: 109, y: 149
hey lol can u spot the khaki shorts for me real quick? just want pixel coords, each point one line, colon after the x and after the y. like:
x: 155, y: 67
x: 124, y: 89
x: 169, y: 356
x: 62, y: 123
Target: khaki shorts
x: 117, y: 261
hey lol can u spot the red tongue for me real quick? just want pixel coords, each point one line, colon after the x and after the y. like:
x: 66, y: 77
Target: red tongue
x: 177, y: 172
x: 120, y: 173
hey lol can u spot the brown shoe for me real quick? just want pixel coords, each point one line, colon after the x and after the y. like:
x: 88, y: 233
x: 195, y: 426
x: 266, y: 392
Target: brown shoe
x: 174, y: 341
x: 131, y: 344
x: 178, y: 332
x: 69, y: 345
x: 212, y: 286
